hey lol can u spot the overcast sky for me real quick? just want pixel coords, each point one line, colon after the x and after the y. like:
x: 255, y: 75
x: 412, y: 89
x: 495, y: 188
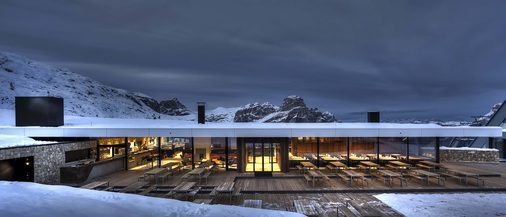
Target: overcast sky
x: 406, y: 59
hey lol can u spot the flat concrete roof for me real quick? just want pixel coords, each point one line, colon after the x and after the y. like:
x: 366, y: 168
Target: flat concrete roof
x: 160, y: 128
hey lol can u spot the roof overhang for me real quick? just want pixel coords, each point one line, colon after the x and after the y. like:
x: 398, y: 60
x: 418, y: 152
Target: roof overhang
x: 261, y: 130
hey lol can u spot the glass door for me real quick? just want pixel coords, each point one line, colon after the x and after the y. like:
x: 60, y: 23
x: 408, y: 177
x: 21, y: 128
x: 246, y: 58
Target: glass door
x: 262, y: 157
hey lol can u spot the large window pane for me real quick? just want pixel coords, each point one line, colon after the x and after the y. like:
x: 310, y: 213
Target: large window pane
x: 362, y: 148
x: 218, y: 147
x: 422, y: 148
x: 332, y: 149
x: 232, y: 154
x: 392, y: 148
x: 176, y: 149
x: 303, y: 149
x: 111, y: 147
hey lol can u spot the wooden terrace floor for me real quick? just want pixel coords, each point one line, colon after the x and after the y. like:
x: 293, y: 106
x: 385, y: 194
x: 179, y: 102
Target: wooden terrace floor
x: 279, y: 191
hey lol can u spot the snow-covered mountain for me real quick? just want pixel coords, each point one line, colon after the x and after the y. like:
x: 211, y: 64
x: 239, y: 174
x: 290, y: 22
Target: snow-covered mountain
x: 483, y: 120
x: 293, y: 110
x: 82, y: 95
x: 86, y: 97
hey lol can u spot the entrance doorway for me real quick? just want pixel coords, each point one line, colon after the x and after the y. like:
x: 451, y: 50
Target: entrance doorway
x: 262, y: 157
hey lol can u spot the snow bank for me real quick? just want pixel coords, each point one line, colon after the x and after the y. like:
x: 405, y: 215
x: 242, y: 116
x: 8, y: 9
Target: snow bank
x: 20, y: 199
x: 464, y: 204
x: 7, y: 141
x: 467, y: 149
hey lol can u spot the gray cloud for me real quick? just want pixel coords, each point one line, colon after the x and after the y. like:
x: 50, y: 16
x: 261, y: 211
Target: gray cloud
x: 429, y: 59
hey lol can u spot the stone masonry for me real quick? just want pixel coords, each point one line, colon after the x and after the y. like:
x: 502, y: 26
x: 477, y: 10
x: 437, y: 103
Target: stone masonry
x: 480, y: 156
x: 47, y: 158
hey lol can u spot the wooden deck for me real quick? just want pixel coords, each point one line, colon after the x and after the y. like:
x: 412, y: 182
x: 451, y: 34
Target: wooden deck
x: 279, y: 192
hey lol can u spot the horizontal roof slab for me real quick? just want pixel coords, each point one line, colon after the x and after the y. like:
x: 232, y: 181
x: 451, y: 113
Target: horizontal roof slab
x: 257, y: 130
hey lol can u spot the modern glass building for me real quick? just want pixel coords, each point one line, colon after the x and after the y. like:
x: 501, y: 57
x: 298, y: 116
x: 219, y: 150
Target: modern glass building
x: 262, y: 147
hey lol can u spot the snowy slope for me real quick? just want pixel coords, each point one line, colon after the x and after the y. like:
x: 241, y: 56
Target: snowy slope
x: 221, y: 115
x: 82, y: 96
x: 86, y: 97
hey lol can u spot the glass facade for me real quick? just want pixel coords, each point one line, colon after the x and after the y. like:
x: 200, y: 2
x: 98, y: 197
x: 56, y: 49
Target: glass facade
x: 498, y: 144
x: 176, y: 149
x: 332, y: 149
x: 273, y: 154
x: 232, y: 154
x: 392, y: 148
x: 303, y: 149
x: 422, y: 149
x: 362, y: 149
x: 321, y: 151
x: 111, y: 147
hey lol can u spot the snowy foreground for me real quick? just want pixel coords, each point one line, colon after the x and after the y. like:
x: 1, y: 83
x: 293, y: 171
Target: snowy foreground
x: 459, y: 204
x: 19, y: 199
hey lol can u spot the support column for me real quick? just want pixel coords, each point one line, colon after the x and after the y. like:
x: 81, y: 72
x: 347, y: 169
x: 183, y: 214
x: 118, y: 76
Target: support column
x: 407, y: 149
x: 127, y: 155
x: 159, y: 152
x: 377, y: 150
x: 437, y: 150
x: 348, y: 149
x: 193, y: 153
x: 318, y: 152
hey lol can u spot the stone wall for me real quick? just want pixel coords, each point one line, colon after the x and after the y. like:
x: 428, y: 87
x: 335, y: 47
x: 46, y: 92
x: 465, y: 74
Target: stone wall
x: 469, y: 155
x: 47, y: 158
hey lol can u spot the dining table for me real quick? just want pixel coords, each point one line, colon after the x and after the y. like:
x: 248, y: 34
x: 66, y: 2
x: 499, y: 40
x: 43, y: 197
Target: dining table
x: 154, y: 173
x: 171, y: 164
x: 226, y: 188
x: 197, y: 172
x: 353, y: 175
x: 183, y: 187
x: 205, y: 164
x: 328, y: 158
x: 464, y: 174
x: 339, y: 165
x: 391, y: 175
x: 426, y: 174
x: 434, y: 165
x: 316, y: 175
x: 400, y: 165
x: 307, y: 164
x: 134, y: 187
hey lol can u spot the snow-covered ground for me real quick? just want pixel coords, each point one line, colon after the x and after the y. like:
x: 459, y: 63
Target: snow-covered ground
x: 16, y: 141
x: 19, y: 199
x: 461, y: 204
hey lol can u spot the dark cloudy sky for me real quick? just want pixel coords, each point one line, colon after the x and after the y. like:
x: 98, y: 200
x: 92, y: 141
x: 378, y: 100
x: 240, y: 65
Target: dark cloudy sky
x: 406, y: 59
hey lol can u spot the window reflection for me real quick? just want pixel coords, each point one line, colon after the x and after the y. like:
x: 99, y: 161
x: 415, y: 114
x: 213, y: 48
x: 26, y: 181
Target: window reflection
x: 362, y: 148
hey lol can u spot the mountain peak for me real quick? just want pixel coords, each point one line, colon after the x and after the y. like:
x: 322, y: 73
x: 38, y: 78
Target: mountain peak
x: 292, y: 102
x: 292, y: 110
